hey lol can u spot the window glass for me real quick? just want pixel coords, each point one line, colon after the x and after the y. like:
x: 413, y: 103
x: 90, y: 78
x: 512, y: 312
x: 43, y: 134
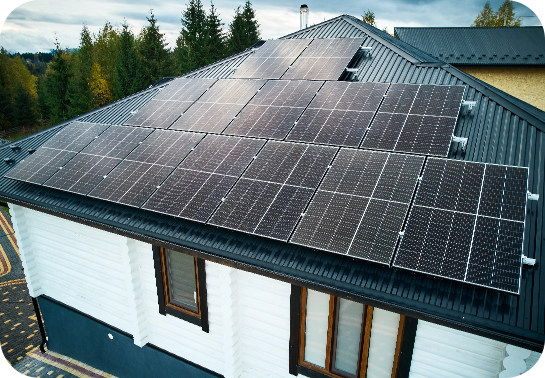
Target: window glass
x: 382, y: 345
x: 182, y: 281
x: 316, y: 327
x: 348, y: 336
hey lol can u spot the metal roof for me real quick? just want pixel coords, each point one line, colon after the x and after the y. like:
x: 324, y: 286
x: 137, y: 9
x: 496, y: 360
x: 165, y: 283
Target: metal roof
x: 483, y: 46
x: 501, y: 130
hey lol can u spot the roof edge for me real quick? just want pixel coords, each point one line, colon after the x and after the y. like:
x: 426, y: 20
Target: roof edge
x: 504, y: 332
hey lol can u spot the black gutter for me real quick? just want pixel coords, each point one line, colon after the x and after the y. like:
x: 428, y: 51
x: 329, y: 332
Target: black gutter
x: 40, y: 324
x: 501, y: 332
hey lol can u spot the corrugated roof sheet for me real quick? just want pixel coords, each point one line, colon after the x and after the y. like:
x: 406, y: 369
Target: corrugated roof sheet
x: 501, y: 130
x: 484, y: 46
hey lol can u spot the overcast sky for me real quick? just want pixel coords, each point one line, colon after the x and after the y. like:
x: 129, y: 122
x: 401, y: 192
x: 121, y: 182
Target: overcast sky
x: 33, y: 25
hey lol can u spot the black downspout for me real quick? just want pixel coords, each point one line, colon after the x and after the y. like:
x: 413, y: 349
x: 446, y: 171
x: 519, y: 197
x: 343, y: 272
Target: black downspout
x: 40, y: 323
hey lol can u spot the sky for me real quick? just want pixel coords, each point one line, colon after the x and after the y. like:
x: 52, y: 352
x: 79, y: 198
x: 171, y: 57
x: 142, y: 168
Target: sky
x: 34, y: 25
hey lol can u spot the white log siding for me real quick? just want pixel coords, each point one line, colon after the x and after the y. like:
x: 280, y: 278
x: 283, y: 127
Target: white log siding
x: 112, y: 278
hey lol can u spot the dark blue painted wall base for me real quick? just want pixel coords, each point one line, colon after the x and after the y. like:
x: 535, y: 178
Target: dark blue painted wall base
x: 85, y: 339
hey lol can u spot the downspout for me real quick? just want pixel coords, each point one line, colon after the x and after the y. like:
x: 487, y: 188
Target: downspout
x: 40, y: 324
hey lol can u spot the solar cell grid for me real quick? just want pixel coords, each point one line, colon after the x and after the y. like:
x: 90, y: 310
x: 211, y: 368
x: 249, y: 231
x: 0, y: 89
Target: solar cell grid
x: 273, y: 111
x: 371, y: 181
x: 454, y: 229
x: 339, y: 114
x: 399, y: 98
x: 75, y: 136
x: 324, y: 59
x: 218, y: 106
x: 117, y: 141
x: 41, y: 165
x: 170, y: 103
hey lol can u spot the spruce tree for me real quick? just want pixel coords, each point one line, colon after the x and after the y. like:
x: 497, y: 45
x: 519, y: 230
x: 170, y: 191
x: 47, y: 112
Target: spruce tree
x: 81, y: 96
x: 505, y: 16
x: 192, y: 44
x: 152, y: 48
x: 216, y: 38
x: 24, y: 107
x: 43, y: 108
x: 244, y: 30
x: 58, y: 78
x: 127, y: 67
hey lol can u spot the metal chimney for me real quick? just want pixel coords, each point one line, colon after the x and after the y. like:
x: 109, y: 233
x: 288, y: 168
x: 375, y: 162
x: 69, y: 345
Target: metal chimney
x: 304, y: 16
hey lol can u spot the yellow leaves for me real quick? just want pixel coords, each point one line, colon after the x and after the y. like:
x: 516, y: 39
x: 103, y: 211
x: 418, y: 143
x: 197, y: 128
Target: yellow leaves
x: 14, y: 71
x: 99, y: 86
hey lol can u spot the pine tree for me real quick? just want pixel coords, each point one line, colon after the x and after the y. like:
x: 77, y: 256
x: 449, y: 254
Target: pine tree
x: 152, y: 48
x: 58, y: 78
x: 244, y: 30
x: 192, y: 48
x: 43, y: 108
x: 24, y: 108
x: 81, y: 96
x: 105, y: 53
x: 128, y: 64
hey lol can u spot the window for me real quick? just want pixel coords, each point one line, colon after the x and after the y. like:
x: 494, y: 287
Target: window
x: 181, y: 286
x: 341, y: 338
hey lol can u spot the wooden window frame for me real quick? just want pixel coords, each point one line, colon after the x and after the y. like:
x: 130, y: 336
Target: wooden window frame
x: 199, y: 317
x: 404, y: 344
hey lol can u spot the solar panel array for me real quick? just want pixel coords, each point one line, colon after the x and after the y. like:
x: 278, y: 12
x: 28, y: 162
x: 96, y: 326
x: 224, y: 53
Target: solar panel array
x: 416, y: 118
x: 339, y: 114
x: 274, y: 110
x: 360, y: 207
x: 272, y: 59
x: 218, y: 106
x: 162, y: 110
x: 307, y: 162
x: 324, y: 59
x: 467, y: 224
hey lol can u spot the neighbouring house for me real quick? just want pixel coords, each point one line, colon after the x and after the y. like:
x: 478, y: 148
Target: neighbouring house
x: 509, y: 58
x: 334, y: 203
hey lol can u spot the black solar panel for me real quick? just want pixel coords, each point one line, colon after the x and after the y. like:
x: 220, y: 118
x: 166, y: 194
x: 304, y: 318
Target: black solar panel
x: 196, y: 187
x: 274, y: 110
x: 56, y: 152
x: 271, y: 60
x: 117, y: 141
x: 218, y: 106
x: 446, y: 237
x: 324, y: 59
x: 339, y: 114
x: 370, y: 192
x: 416, y: 119
x: 134, y: 180
x: 263, y: 193
x: 170, y: 103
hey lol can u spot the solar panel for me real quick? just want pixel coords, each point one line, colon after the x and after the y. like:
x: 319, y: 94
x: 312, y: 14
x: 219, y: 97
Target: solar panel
x: 324, y: 59
x: 361, y: 204
x: 84, y: 172
x: 170, y: 103
x: 416, y: 119
x: 218, y: 106
x: 275, y: 189
x: 271, y: 60
x: 274, y: 110
x: 134, y: 180
x: 196, y: 187
x: 339, y: 114
x: 467, y: 224
x: 56, y: 152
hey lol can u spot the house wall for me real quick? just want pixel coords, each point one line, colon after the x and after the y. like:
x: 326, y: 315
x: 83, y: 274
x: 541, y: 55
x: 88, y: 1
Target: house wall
x: 111, y: 278
x: 527, y: 84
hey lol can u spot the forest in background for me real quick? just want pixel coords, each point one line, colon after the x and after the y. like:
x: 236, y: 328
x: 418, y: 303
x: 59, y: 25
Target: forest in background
x: 42, y: 89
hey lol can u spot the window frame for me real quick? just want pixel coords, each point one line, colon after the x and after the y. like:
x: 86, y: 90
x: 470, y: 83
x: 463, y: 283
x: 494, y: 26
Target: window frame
x: 200, y: 317
x: 403, y: 351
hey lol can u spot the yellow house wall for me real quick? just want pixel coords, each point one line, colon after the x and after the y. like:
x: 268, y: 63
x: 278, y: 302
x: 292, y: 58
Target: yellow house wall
x: 527, y: 84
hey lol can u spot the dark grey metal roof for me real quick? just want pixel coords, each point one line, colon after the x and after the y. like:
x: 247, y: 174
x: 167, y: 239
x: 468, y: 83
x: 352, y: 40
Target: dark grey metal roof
x: 502, y: 130
x: 498, y: 46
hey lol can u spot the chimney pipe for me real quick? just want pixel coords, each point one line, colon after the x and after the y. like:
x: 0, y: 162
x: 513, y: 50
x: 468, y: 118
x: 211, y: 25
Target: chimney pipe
x: 303, y: 11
